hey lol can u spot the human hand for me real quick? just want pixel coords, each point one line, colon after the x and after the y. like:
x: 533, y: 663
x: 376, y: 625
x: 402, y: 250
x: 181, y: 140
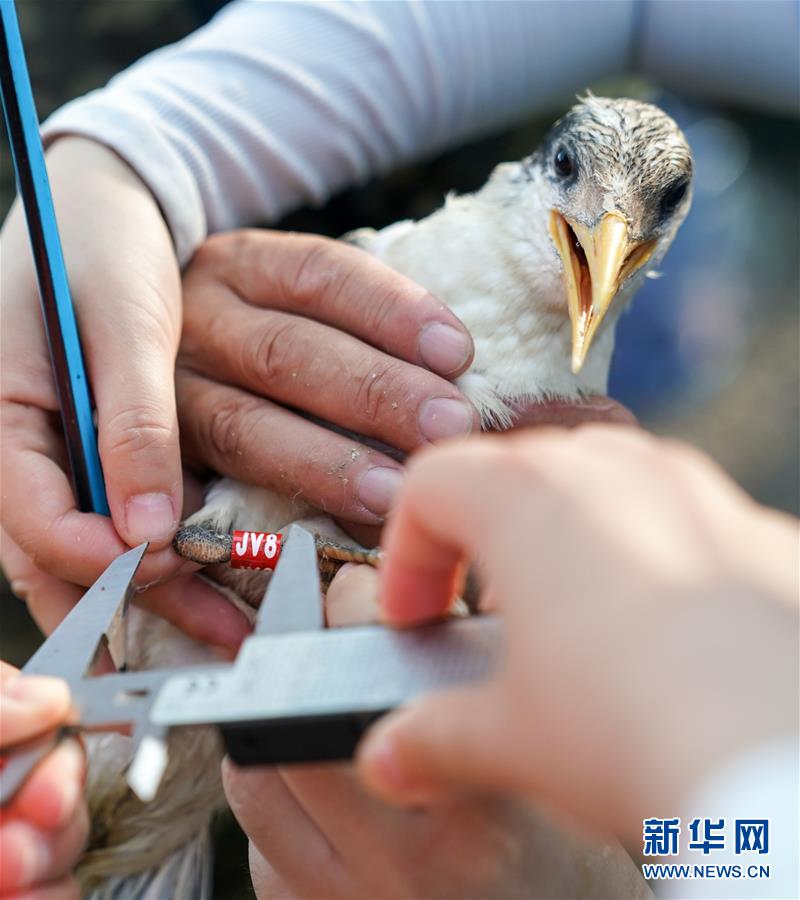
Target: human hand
x: 126, y: 288
x: 323, y: 835
x: 282, y: 327
x: 188, y: 602
x: 45, y: 827
x: 275, y: 320
x: 617, y: 560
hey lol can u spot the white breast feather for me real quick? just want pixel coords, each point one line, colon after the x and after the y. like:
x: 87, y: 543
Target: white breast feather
x: 484, y: 260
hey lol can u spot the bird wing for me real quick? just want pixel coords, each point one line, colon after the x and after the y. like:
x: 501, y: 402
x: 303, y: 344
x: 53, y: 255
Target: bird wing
x: 134, y: 843
x: 187, y: 872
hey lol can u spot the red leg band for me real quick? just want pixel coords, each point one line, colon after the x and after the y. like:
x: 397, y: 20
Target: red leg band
x: 255, y: 549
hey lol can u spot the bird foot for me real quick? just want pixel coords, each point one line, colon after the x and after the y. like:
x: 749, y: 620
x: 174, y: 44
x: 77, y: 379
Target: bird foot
x: 202, y: 545
x: 205, y: 546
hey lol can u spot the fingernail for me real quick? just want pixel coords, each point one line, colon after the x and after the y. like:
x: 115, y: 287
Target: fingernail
x: 443, y: 418
x: 35, y: 689
x: 149, y: 517
x: 378, y: 487
x: 444, y: 349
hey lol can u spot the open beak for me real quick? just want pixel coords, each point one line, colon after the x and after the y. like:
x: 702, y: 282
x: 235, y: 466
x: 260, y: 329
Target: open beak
x: 596, y: 262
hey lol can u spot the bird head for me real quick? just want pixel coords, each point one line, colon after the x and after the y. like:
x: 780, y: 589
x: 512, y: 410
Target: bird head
x: 613, y: 179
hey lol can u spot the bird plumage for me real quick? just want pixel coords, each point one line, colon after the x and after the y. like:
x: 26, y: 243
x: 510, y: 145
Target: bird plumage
x: 482, y: 256
x: 128, y: 837
x: 489, y: 256
x: 501, y: 259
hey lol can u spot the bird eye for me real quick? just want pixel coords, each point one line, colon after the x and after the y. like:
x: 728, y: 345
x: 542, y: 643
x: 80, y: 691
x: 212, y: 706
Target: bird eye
x: 673, y: 196
x: 562, y: 163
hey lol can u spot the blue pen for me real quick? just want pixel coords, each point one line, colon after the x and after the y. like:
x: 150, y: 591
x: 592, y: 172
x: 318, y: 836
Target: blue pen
x: 60, y: 326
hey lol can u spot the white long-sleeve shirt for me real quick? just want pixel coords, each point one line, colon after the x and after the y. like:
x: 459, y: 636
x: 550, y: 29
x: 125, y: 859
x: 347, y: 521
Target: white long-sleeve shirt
x: 274, y: 105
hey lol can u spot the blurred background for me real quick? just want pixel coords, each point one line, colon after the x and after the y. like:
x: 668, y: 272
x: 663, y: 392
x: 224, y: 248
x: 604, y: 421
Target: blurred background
x: 708, y: 353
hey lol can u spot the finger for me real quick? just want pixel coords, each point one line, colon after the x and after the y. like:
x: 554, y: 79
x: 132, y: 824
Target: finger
x: 566, y: 414
x: 138, y: 429
x: 257, y: 442
x: 321, y: 370
x: 188, y: 602
x: 191, y: 604
x: 438, y: 745
x: 138, y: 443
x: 344, y: 287
x: 454, y: 506
x: 267, y: 884
x: 31, y: 705
x: 353, y: 822
x: 29, y: 856
x: 292, y: 842
x: 130, y: 329
x: 50, y: 797
x: 48, y: 599
x: 60, y: 540
x: 352, y: 597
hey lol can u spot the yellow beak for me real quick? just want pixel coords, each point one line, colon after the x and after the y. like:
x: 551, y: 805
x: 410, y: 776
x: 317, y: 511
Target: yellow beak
x: 596, y: 262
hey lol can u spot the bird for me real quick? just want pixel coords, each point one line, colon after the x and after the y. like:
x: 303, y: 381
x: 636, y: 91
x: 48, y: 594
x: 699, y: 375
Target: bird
x: 539, y: 264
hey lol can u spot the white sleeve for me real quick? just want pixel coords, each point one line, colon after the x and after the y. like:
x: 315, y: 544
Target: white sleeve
x: 273, y: 105
x: 760, y: 785
x: 745, y: 52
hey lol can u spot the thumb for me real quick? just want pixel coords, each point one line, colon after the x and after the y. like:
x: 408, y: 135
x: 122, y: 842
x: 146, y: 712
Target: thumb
x: 138, y: 441
x: 31, y: 705
x: 126, y: 276
x: 443, y: 743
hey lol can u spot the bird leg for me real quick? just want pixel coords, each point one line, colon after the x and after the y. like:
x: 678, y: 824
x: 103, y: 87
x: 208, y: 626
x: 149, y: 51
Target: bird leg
x: 209, y: 547
x: 205, y: 546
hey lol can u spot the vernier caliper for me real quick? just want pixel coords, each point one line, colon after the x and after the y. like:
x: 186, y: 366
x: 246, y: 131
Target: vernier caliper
x: 297, y: 692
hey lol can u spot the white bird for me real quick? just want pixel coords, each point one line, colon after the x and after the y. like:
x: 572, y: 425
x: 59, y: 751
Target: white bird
x: 538, y: 264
